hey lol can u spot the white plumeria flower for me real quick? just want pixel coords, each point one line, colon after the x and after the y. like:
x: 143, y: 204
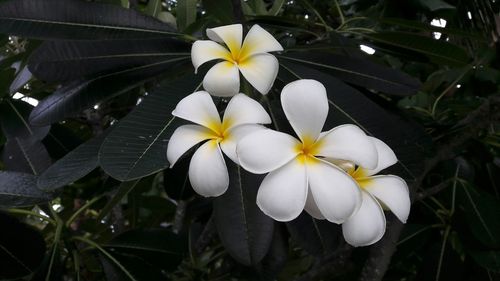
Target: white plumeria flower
x: 297, y: 170
x: 367, y: 226
x: 251, y: 58
x: 207, y: 170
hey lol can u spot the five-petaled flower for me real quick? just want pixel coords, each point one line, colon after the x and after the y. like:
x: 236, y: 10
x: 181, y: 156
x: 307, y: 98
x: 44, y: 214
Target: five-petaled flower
x: 379, y: 192
x: 299, y: 175
x: 207, y: 170
x: 251, y: 58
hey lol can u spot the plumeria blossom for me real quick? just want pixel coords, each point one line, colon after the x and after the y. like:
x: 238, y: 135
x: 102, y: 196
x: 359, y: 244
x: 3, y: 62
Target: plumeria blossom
x: 379, y: 192
x: 251, y: 58
x: 298, y: 172
x: 207, y: 170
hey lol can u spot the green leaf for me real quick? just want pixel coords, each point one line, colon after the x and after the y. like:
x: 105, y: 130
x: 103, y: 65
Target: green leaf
x: 317, y: 237
x: 481, y: 212
x: 153, y: 8
x: 14, y: 120
x: 22, y: 248
x: 222, y: 10
x: 136, y: 147
x: 358, y: 71
x: 56, y: 61
x: 487, y: 259
x: 71, y: 19
x: 276, y: 8
x: 437, y: 51
x: 435, y: 5
x: 123, y: 190
x: 245, y: 231
x: 347, y: 105
x: 186, y: 13
x: 74, y: 97
x: 25, y: 155
x: 6, y: 77
x: 72, y: 167
x: 19, y: 189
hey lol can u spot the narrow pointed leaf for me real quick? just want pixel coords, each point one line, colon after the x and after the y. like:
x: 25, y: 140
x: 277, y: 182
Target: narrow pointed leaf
x: 75, y: 165
x: 57, y: 61
x: 359, y: 71
x: 19, y: 189
x: 245, y: 231
x: 137, y: 146
x: 71, y: 99
x: 72, y: 19
x: 186, y: 13
x: 437, y: 51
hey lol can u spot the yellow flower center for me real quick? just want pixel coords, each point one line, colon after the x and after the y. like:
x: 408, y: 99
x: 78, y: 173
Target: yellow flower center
x: 219, y: 131
x: 307, y: 150
x: 360, y: 176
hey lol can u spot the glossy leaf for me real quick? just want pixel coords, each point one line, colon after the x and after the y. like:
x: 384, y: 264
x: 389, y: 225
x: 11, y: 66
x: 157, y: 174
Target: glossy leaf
x: 245, y: 231
x: 136, y: 147
x: 19, y: 189
x: 186, y: 13
x: 22, y: 248
x: 436, y: 51
x: 71, y: 99
x: 361, y: 72
x: 72, y: 19
x: 56, y: 61
x: 75, y: 165
x: 317, y: 237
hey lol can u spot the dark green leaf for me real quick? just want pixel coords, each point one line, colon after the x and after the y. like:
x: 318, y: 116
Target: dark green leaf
x: 245, y: 231
x: 154, y: 8
x: 222, y: 10
x: 348, y: 105
x: 487, y: 259
x: 481, y: 212
x: 137, y: 267
x: 176, y: 178
x: 56, y: 61
x: 19, y: 189
x: 437, y: 51
x: 317, y: 237
x: 123, y: 190
x: 14, y: 121
x: 360, y: 72
x: 186, y: 13
x: 434, y: 5
x: 22, y: 78
x: 26, y: 156
x: 6, y: 77
x: 74, y: 97
x: 136, y: 147
x: 75, y: 165
x: 71, y: 19
x: 22, y: 248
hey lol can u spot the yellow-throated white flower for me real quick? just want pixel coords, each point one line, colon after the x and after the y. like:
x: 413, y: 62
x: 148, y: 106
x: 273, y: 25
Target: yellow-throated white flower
x: 379, y: 192
x: 297, y: 168
x: 250, y: 57
x: 207, y: 170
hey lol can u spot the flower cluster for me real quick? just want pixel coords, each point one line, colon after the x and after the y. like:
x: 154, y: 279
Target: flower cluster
x: 331, y: 175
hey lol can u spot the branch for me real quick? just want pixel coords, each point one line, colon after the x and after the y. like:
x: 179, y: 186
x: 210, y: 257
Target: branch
x: 475, y: 122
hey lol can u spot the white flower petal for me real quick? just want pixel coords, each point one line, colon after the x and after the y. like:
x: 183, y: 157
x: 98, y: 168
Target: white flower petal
x: 244, y: 110
x: 282, y: 194
x: 266, y: 150
x: 260, y: 71
x: 222, y: 80
x: 336, y: 194
x: 306, y: 107
x: 348, y: 142
x: 198, y: 108
x: 386, y: 157
x: 392, y: 191
x: 207, y: 170
x: 206, y: 50
x: 228, y: 145
x: 231, y: 35
x: 183, y: 138
x: 367, y: 226
x: 311, y: 207
x: 259, y: 41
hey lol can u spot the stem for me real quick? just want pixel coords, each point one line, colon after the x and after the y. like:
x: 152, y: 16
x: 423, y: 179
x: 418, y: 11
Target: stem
x: 341, y: 15
x: 57, y: 238
x: 31, y: 213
